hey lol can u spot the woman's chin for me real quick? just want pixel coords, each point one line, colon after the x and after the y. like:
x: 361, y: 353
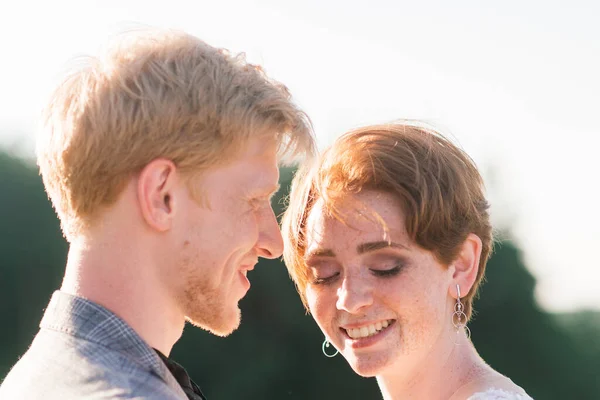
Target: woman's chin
x: 365, y: 373
x: 369, y: 367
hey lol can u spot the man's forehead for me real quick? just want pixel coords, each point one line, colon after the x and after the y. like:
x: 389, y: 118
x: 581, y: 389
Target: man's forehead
x: 262, y: 184
x: 261, y: 146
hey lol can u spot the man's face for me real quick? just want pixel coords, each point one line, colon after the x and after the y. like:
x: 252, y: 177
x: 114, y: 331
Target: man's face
x: 221, y: 239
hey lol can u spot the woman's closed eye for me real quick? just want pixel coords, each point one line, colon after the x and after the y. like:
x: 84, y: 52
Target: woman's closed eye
x: 324, y: 280
x: 386, y: 267
x: 323, y: 272
x: 387, y: 272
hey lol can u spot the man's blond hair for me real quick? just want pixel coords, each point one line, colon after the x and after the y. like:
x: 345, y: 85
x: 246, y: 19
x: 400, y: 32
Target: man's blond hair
x: 155, y: 94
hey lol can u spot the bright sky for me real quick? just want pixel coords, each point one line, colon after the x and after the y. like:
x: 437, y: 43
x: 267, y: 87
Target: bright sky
x: 517, y: 85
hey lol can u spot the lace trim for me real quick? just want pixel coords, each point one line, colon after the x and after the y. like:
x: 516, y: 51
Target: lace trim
x: 498, y: 394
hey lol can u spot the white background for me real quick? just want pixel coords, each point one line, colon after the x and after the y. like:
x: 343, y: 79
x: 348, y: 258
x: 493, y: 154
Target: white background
x: 515, y: 83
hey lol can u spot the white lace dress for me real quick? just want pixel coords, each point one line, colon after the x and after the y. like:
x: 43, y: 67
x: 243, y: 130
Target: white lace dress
x: 498, y: 394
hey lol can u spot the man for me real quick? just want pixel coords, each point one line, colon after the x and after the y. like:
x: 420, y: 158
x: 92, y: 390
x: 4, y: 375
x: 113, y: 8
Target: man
x: 160, y: 159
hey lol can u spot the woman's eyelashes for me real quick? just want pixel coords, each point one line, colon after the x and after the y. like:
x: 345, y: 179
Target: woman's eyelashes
x: 381, y: 272
x: 325, y: 280
x: 387, y: 272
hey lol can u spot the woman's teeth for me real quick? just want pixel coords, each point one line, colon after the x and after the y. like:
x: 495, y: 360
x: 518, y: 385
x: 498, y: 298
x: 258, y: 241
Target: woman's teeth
x: 368, y: 330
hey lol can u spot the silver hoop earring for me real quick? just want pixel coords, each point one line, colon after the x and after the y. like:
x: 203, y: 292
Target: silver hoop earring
x: 459, y: 318
x: 325, y: 345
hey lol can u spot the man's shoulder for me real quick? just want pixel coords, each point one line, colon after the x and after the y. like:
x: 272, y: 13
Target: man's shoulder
x: 66, y: 367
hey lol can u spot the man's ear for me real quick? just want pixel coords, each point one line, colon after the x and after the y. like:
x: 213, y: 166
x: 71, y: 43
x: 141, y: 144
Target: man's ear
x: 156, y: 184
x: 466, y: 265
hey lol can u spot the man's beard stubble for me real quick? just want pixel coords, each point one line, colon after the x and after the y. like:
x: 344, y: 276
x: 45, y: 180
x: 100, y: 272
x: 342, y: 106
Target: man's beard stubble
x: 206, y: 307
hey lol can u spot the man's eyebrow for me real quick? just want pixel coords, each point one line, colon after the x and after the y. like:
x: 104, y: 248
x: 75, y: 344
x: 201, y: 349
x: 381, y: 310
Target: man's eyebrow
x: 267, y: 193
x: 381, y: 244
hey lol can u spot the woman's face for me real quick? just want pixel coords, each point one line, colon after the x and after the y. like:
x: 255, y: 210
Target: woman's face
x: 381, y: 300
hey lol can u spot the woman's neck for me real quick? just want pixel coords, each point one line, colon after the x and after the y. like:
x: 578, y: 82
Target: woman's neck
x: 448, y: 367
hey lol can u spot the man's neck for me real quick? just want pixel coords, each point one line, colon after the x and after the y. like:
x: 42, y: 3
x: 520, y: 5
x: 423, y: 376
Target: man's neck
x: 122, y: 279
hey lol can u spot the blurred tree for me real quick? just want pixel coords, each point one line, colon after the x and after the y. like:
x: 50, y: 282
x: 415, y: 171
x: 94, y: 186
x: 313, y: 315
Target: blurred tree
x: 276, y: 353
x: 32, y: 256
x: 584, y: 330
x: 517, y: 338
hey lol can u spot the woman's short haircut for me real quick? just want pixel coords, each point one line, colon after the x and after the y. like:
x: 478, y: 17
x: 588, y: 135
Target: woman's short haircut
x: 437, y: 184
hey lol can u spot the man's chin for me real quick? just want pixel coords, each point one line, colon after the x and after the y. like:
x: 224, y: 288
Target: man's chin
x: 219, y: 325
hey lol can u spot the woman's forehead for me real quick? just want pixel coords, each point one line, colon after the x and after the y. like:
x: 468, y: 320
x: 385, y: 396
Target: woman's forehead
x: 368, y: 216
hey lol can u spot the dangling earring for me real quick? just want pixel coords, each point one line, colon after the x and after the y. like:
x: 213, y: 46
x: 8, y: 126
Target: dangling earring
x: 459, y: 318
x: 324, y: 346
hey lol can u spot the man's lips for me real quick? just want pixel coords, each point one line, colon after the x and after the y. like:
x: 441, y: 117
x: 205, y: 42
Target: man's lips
x: 248, y: 267
x: 243, y: 271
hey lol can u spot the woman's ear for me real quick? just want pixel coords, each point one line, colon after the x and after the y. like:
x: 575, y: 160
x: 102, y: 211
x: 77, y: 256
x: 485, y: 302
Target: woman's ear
x: 466, y: 265
x: 155, y: 193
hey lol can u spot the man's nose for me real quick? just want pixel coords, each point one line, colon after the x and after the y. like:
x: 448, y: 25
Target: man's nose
x: 270, y: 242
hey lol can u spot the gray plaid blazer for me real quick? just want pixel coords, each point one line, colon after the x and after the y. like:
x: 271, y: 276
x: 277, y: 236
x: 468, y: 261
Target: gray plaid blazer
x: 84, y: 351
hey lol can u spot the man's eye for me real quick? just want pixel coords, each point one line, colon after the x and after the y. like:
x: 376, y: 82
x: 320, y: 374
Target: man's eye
x: 257, y: 204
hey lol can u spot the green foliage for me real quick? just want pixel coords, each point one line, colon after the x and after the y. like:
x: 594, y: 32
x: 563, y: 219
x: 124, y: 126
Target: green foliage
x: 276, y: 353
x: 32, y: 256
x: 518, y: 339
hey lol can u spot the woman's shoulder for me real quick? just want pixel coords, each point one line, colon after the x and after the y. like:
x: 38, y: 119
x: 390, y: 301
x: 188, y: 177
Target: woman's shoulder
x: 491, y: 385
x: 500, y: 394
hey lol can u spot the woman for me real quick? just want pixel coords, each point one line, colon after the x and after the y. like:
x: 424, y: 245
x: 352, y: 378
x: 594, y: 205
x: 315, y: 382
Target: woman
x: 387, y: 236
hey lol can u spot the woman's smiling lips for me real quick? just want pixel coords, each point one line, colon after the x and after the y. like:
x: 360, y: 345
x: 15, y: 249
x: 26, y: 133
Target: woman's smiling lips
x: 366, y: 334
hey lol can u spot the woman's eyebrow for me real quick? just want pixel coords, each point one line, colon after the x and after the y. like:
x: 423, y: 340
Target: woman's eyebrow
x: 319, y: 253
x: 378, y: 245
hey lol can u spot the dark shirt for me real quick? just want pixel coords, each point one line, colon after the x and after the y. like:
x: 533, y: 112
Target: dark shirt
x: 192, y: 390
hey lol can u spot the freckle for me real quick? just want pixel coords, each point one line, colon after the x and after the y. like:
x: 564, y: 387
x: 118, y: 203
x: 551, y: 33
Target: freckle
x: 186, y: 243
